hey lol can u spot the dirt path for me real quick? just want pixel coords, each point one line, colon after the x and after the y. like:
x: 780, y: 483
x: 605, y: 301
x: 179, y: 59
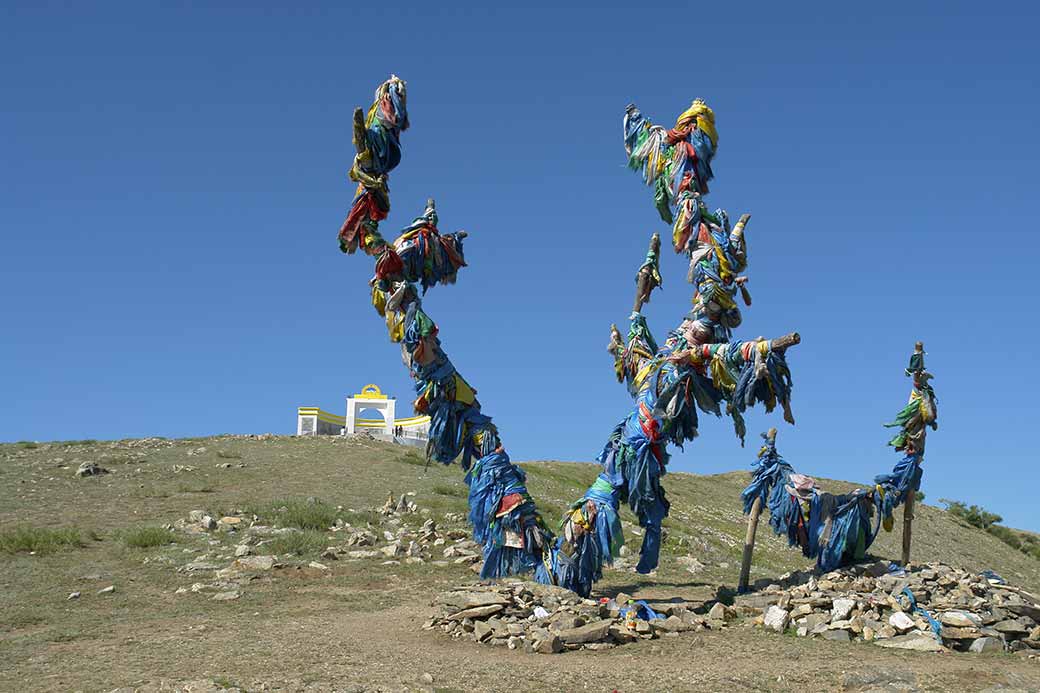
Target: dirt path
x: 387, y: 651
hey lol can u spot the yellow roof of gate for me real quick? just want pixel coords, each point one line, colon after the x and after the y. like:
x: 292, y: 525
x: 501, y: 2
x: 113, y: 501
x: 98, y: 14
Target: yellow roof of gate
x: 370, y: 391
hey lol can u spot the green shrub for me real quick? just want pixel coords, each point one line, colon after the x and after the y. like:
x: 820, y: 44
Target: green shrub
x: 147, y: 537
x: 1008, y: 536
x: 974, y: 515
x: 309, y: 542
x: 27, y: 444
x: 309, y: 513
x: 26, y: 539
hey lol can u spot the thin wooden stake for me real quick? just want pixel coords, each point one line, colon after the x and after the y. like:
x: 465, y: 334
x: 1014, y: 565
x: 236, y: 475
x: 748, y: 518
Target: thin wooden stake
x: 908, y: 520
x: 756, y: 511
x: 749, y: 545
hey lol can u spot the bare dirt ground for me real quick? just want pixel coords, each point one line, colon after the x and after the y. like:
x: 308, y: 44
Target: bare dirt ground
x: 356, y: 626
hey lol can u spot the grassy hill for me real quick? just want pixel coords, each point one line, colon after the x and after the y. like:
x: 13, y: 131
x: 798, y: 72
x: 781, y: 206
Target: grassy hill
x: 357, y: 623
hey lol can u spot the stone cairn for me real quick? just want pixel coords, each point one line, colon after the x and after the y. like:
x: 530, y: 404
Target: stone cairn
x: 546, y: 619
x: 971, y: 613
x: 862, y: 602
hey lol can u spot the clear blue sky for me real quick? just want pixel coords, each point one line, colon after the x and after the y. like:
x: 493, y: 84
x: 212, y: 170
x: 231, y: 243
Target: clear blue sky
x: 173, y: 181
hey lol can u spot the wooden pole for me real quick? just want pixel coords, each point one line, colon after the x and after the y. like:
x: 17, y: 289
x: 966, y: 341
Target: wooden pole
x: 908, y: 519
x: 752, y: 528
x: 749, y: 545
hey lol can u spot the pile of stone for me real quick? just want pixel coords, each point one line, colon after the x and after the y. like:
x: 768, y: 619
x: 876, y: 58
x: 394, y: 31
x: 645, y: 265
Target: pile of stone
x: 389, y: 540
x: 869, y: 602
x: 545, y: 619
x: 402, y: 505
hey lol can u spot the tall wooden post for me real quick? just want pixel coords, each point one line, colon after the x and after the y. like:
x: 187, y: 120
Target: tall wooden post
x: 908, y: 520
x: 749, y: 545
x: 752, y: 528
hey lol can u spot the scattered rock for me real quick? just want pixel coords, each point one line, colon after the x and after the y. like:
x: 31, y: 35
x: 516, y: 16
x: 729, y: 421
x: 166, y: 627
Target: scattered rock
x: 225, y: 596
x: 72, y: 595
x: 253, y: 563
x: 777, y: 619
x: 90, y: 469
x: 842, y: 608
x: 721, y: 612
x: 901, y: 622
x: 107, y: 590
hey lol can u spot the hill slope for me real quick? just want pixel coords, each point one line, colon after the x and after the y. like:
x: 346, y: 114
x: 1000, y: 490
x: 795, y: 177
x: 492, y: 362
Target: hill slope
x: 357, y: 622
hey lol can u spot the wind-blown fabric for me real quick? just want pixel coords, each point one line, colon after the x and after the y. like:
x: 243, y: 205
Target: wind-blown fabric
x: 838, y: 529
x: 676, y: 163
x: 377, y: 140
x: 426, y: 256
x: 903, y: 480
x: 692, y: 370
x: 768, y: 480
x: 669, y: 388
x: 833, y: 529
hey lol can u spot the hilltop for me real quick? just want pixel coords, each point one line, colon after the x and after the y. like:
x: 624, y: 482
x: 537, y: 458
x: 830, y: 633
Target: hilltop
x: 353, y: 623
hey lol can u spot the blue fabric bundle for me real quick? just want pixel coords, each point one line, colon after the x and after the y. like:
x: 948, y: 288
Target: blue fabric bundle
x: 904, y: 479
x: 435, y: 384
x: 682, y: 391
x: 594, y: 547
x: 643, y: 611
x: 575, y: 564
x: 386, y: 119
x: 768, y: 479
x: 491, y: 480
x: 751, y: 388
x: 428, y: 257
x: 769, y: 482
x: 839, y: 529
x: 705, y: 150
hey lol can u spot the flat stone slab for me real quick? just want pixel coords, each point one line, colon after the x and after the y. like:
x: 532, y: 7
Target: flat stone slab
x: 592, y: 632
x: 254, y: 563
x: 1032, y: 612
x: 960, y: 619
x: 477, y: 612
x: 912, y: 641
x: 1015, y: 626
